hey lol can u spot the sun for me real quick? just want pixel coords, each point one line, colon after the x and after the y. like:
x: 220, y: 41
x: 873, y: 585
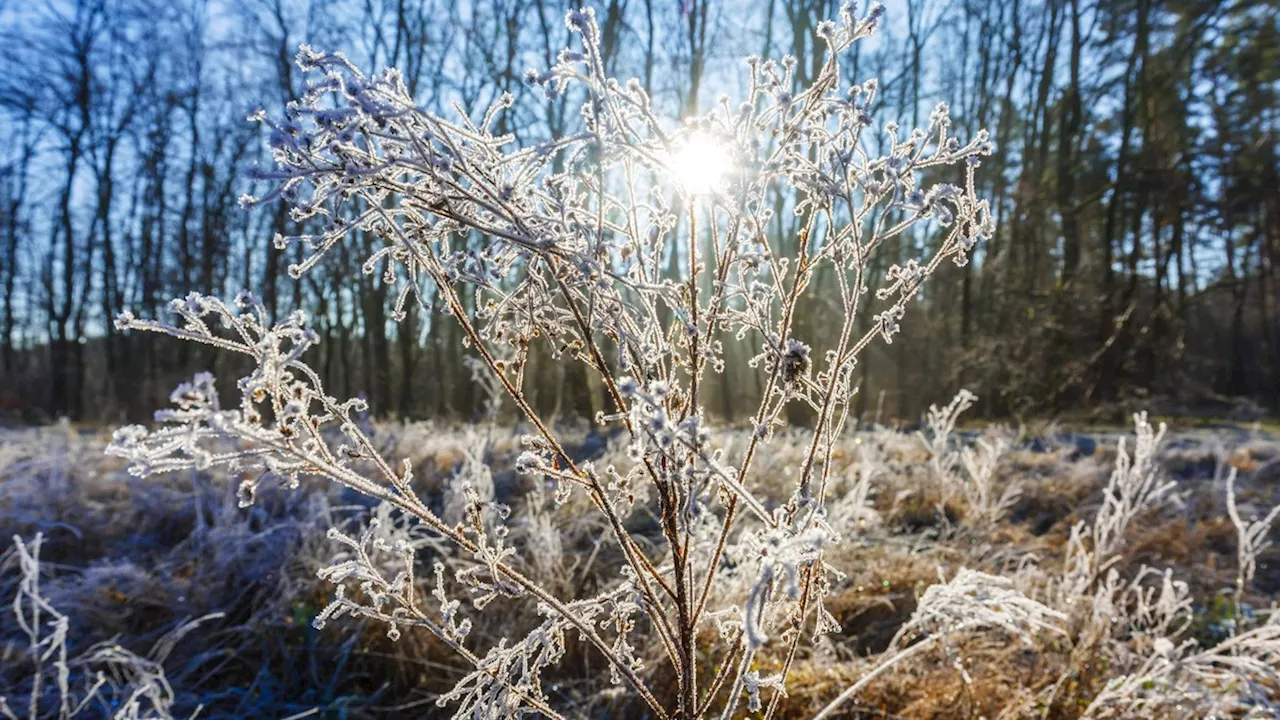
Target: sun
x: 700, y: 163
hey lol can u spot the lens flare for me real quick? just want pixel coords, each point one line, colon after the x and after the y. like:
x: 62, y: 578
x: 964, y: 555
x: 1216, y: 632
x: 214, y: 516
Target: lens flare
x: 700, y: 163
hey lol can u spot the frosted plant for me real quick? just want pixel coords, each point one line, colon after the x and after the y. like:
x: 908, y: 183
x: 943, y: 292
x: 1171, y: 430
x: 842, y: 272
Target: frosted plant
x: 635, y: 245
x: 1227, y: 680
x: 381, y: 560
x: 986, y: 503
x: 943, y: 458
x: 1252, y: 538
x: 970, y: 601
x: 471, y: 484
x: 850, y: 509
x: 494, y: 392
x: 1139, y: 627
x: 968, y: 473
x: 1134, y: 487
x: 106, y: 680
x: 543, y: 541
x: 978, y: 599
x: 1105, y: 610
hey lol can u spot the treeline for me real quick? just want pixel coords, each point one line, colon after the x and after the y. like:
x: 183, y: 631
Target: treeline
x: 1135, y: 186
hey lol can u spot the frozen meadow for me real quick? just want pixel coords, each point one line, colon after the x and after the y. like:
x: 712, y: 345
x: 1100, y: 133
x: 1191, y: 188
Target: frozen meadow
x: 262, y: 549
x: 182, y: 599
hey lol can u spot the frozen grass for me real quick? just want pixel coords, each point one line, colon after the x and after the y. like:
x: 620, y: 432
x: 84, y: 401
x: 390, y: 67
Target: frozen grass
x: 1132, y: 597
x: 658, y: 565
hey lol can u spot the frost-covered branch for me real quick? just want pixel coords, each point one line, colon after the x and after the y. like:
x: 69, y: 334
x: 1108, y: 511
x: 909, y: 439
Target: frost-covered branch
x: 591, y: 248
x: 105, y: 680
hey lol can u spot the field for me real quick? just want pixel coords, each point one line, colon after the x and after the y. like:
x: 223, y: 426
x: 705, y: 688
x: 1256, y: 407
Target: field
x: 633, y: 295
x: 187, y: 601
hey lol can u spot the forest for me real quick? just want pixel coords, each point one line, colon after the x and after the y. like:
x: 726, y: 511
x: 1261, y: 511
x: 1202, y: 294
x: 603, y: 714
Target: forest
x: 1134, y: 188
x: 654, y: 359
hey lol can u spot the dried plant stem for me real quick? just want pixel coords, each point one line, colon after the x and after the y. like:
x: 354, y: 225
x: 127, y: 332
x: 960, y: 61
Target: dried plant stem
x: 555, y: 253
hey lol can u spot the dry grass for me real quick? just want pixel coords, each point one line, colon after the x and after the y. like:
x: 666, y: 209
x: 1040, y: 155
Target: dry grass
x: 131, y: 559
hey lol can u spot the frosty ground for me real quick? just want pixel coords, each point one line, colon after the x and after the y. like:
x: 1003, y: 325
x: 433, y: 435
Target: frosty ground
x: 130, y: 560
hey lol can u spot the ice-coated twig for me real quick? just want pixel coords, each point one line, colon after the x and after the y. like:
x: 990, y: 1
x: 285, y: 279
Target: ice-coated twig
x: 586, y: 249
x: 969, y: 601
